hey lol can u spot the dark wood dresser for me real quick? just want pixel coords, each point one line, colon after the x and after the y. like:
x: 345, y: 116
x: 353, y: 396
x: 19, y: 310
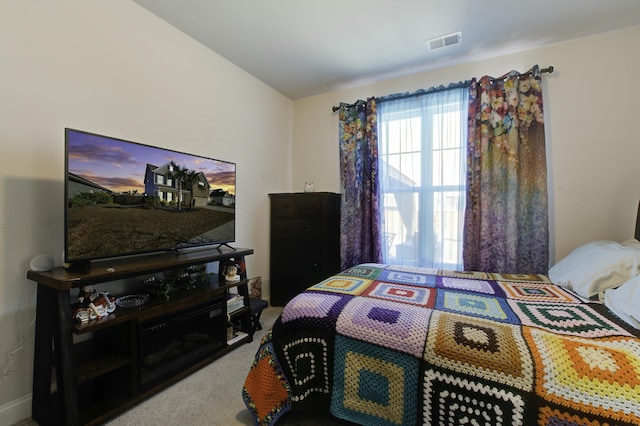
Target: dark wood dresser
x: 305, y: 242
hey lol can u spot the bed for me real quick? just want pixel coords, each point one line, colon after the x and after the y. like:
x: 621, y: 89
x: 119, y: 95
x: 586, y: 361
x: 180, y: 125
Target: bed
x: 382, y: 344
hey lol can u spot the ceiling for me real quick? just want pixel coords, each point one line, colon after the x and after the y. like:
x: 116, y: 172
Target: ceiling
x: 303, y: 48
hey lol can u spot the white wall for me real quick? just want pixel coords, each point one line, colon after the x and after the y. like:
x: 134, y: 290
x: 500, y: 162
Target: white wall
x: 591, y: 116
x: 113, y: 68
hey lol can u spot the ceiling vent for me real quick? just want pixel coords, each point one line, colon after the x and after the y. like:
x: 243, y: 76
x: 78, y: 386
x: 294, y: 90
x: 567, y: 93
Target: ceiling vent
x: 444, y: 41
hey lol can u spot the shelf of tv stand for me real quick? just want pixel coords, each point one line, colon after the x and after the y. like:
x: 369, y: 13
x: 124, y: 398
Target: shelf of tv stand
x: 80, y: 364
x: 160, y: 306
x: 100, y: 366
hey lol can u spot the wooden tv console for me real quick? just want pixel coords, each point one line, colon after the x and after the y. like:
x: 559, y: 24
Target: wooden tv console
x: 86, y: 373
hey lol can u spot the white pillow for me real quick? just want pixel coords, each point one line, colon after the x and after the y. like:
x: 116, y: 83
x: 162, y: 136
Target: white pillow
x: 624, y: 301
x: 597, y: 266
x: 632, y: 243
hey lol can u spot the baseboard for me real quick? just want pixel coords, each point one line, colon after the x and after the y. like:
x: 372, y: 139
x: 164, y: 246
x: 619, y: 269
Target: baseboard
x: 15, y: 411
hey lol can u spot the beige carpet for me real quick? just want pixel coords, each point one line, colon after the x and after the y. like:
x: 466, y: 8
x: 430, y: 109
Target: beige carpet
x: 211, y: 396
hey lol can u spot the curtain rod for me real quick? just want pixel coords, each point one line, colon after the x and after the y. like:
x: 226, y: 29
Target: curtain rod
x: 335, y: 108
x: 548, y: 69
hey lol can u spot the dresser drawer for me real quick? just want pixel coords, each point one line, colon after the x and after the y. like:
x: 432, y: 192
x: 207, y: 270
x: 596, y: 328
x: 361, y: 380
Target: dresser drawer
x: 289, y: 280
x: 296, y: 228
x: 283, y: 206
x: 307, y: 205
x: 310, y: 205
x: 284, y: 250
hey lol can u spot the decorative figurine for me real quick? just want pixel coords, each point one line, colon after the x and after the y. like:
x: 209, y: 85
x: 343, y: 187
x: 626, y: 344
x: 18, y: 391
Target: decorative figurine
x: 230, y: 273
x: 86, y: 295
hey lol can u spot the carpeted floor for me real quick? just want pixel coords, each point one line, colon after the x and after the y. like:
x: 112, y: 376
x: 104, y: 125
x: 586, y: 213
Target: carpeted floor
x: 211, y: 396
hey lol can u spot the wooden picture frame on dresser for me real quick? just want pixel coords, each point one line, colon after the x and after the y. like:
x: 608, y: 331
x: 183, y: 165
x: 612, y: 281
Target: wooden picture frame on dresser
x: 304, y: 240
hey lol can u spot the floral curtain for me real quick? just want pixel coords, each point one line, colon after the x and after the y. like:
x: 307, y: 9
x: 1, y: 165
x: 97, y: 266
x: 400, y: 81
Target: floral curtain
x: 360, y: 218
x: 506, y: 217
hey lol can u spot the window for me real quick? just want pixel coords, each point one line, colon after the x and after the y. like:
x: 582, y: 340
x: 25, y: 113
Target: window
x: 422, y: 153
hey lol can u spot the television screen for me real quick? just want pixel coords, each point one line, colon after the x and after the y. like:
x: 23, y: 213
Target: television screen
x: 125, y: 198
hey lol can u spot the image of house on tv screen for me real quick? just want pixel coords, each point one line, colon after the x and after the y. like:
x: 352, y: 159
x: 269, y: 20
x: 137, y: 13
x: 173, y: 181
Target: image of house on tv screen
x: 127, y: 198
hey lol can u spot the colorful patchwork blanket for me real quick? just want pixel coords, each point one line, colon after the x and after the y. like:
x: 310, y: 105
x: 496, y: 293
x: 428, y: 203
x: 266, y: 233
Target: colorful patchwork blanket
x: 392, y: 345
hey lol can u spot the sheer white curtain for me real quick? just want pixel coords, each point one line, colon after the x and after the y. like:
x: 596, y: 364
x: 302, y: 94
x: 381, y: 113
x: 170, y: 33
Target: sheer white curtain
x: 422, y: 153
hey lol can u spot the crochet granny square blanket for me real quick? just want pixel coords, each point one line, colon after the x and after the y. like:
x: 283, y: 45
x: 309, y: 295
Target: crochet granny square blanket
x: 392, y: 345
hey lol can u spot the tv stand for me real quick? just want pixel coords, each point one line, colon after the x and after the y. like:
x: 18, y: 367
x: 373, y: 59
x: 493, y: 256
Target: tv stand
x: 115, y: 361
x: 225, y: 245
x: 79, y: 266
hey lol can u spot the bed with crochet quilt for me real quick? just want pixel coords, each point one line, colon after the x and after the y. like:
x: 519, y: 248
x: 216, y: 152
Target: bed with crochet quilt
x: 394, y: 345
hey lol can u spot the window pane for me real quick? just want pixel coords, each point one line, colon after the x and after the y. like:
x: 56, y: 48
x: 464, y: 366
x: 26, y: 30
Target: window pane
x: 400, y: 225
x: 447, y: 127
x: 451, y: 174
x: 403, y: 135
x: 402, y: 171
x: 448, y: 225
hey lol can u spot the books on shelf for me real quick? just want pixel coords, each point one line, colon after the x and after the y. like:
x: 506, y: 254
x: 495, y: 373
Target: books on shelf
x: 234, y: 302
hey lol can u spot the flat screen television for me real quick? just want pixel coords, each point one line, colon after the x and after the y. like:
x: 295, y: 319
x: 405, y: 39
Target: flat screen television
x: 126, y: 198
